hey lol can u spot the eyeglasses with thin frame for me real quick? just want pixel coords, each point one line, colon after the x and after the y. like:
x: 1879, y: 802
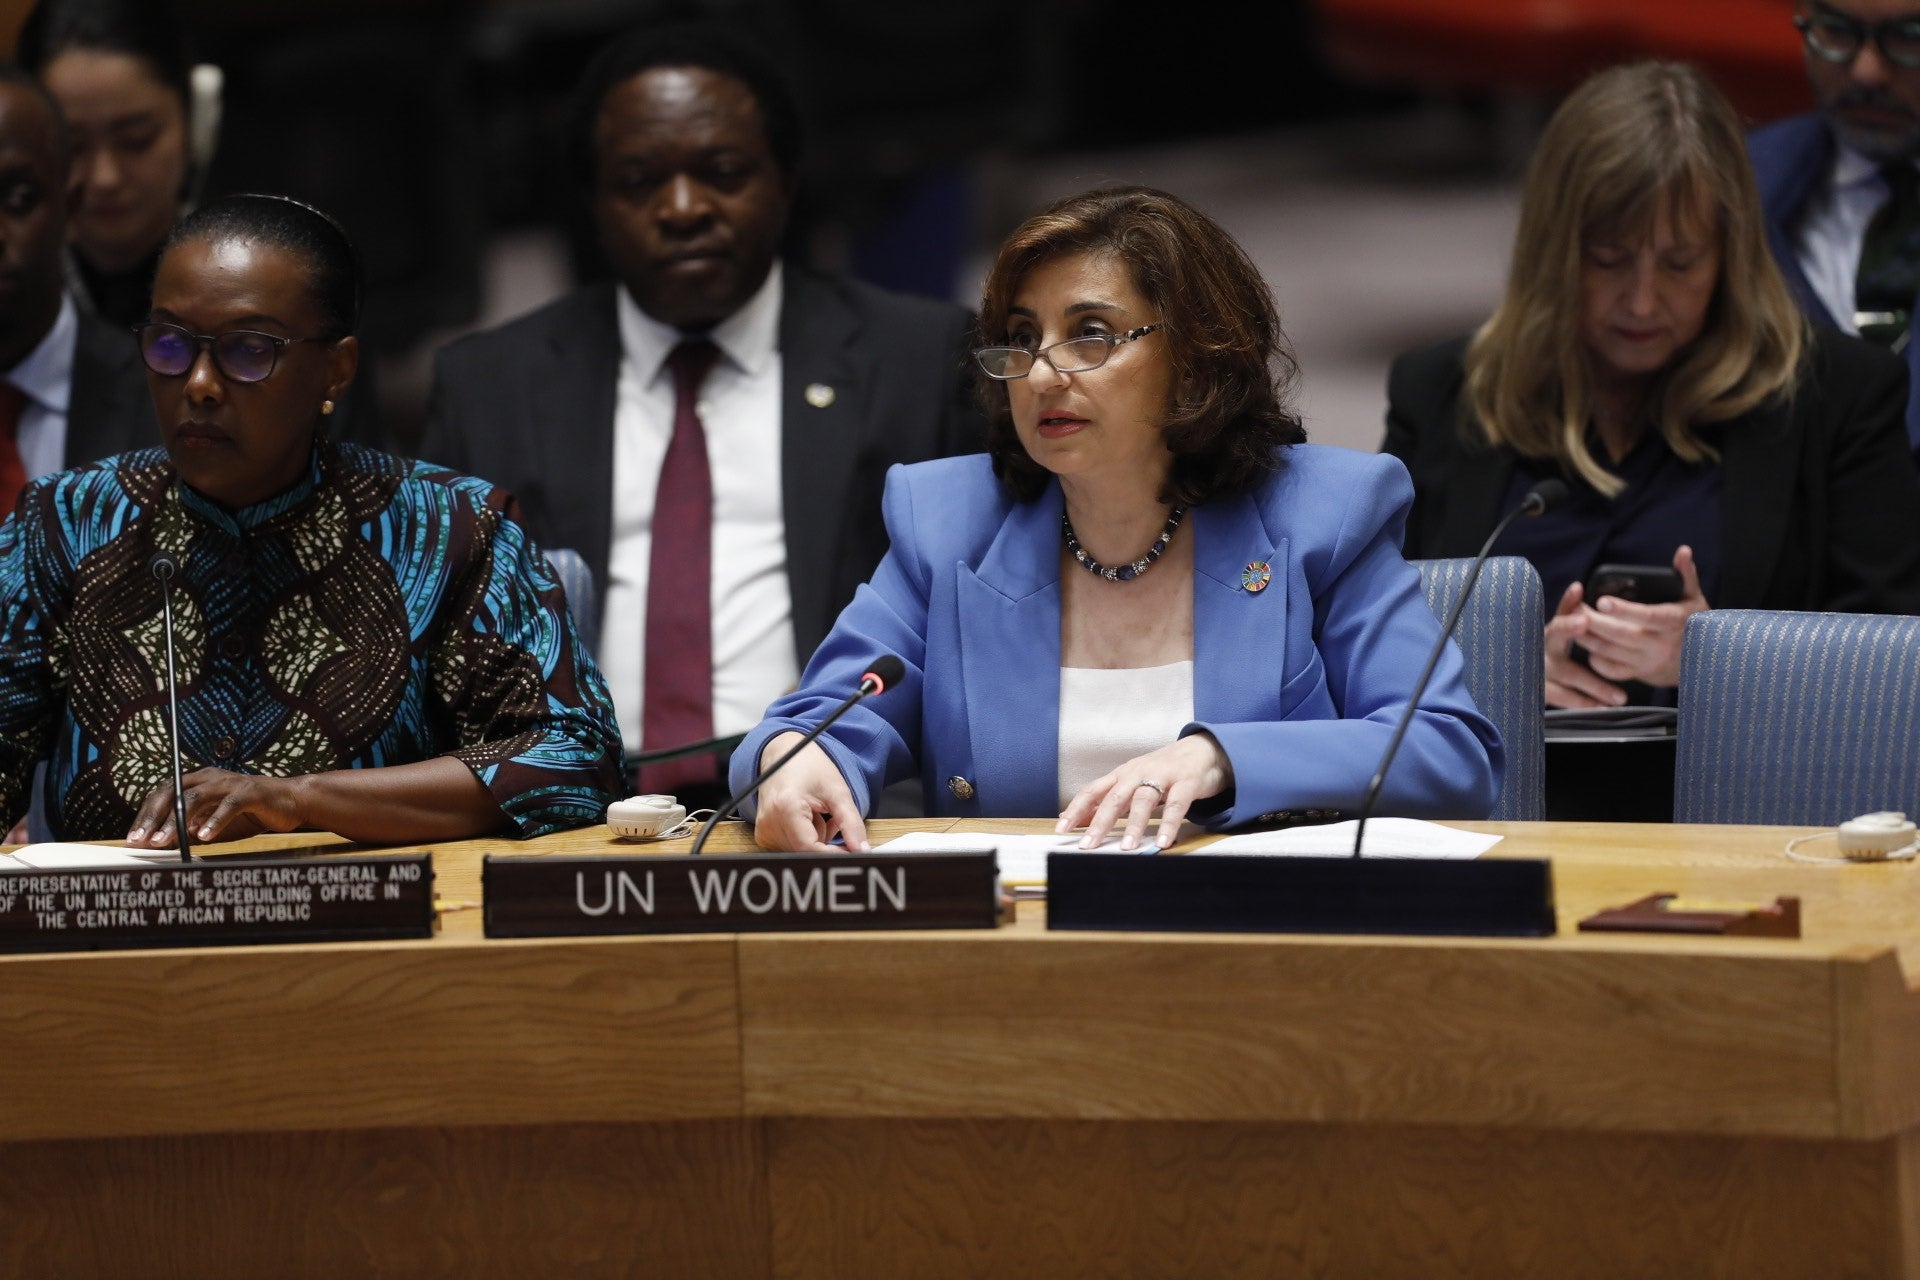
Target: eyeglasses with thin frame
x: 1838, y: 37
x: 1075, y: 355
x: 243, y: 355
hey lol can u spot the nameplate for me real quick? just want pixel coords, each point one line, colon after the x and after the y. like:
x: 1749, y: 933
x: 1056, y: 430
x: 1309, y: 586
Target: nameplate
x: 218, y: 902
x: 1228, y: 893
x: 532, y: 897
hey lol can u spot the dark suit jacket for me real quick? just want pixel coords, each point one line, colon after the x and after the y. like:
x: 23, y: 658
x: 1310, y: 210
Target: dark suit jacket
x: 530, y: 406
x: 1820, y: 504
x: 1791, y: 159
x: 109, y: 409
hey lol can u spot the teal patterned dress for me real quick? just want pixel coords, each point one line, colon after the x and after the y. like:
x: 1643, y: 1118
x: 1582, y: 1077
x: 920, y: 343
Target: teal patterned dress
x: 380, y: 612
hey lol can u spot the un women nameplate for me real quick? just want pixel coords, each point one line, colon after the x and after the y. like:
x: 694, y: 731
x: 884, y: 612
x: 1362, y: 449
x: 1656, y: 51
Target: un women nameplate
x: 218, y: 902
x: 534, y: 897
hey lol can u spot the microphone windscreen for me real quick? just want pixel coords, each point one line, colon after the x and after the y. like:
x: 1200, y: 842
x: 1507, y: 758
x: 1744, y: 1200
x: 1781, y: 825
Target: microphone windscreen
x: 886, y: 671
x: 163, y: 565
x: 1546, y: 495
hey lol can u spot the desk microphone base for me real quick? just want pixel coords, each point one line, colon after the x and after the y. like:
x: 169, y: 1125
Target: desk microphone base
x: 1495, y: 898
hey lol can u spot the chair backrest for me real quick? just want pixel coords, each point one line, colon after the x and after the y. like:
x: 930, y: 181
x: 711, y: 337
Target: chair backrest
x: 577, y: 581
x: 1804, y: 719
x: 1501, y: 638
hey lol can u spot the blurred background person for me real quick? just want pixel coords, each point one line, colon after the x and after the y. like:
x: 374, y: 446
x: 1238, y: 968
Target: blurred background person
x: 71, y: 386
x: 710, y: 430
x: 145, y: 119
x: 1152, y: 596
x: 1841, y: 187
x: 1647, y: 351
x: 142, y: 136
x: 368, y: 646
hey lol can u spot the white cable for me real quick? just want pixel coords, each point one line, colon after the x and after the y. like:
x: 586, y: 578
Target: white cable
x: 1895, y: 855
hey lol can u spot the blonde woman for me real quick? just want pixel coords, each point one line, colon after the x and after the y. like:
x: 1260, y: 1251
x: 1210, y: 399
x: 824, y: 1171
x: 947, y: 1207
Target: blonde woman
x: 1648, y: 352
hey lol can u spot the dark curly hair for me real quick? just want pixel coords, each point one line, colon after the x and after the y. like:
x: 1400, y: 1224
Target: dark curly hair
x: 709, y: 45
x: 1231, y: 363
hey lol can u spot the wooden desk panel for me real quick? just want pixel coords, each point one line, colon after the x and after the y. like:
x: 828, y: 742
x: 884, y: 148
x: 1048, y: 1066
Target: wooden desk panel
x: 1221, y: 1028
x: 368, y: 1035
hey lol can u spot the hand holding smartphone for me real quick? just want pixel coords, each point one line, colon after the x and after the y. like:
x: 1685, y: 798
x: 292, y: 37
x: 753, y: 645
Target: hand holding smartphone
x: 1640, y: 583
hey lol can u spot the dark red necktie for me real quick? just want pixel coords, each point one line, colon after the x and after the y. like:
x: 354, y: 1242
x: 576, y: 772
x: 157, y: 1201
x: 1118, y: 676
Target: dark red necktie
x: 13, y: 472
x: 679, y: 653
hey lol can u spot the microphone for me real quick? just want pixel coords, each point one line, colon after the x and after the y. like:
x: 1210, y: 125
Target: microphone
x: 163, y: 566
x: 885, y: 672
x: 1540, y: 499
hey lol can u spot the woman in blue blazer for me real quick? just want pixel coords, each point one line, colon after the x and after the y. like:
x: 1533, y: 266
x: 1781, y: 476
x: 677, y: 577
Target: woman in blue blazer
x: 1150, y: 594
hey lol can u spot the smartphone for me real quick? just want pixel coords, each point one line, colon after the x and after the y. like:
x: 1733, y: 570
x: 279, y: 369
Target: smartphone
x: 1642, y: 583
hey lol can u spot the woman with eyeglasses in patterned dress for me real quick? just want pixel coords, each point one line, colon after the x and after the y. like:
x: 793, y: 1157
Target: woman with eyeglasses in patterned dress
x: 364, y: 644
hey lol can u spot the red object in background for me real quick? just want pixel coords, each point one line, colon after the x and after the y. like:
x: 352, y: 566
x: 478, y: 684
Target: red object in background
x: 1547, y: 47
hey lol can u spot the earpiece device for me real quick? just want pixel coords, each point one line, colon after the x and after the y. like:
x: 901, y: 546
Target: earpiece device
x: 646, y: 817
x: 1873, y: 836
x: 206, y: 86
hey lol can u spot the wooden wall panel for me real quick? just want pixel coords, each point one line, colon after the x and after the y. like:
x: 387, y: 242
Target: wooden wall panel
x: 1060, y: 1200
x: 660, y: 1201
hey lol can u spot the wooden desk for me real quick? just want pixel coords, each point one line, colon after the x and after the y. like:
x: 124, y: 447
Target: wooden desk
x: 1010, y: 1103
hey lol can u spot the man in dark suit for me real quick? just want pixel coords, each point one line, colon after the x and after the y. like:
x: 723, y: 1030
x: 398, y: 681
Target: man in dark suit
x: 1840, y: 187
x: 71, y: 387
x: 712, y: 433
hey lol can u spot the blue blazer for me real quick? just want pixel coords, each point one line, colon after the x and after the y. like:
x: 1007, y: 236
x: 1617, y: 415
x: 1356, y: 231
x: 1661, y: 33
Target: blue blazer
x: 1301, y: 683
x: 1791, y: 160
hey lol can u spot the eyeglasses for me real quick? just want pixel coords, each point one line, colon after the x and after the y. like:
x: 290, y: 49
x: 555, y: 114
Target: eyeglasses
x: 1839, y: 37
x: 240, y: 354
x: 1075, y: 355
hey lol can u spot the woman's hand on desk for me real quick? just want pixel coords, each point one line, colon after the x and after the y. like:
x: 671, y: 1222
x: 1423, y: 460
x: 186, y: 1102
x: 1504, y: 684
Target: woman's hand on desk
x: 220, y: 806
x: 438, y: 799
x: 1630, y: 641
x: 1194, y: 768
x: 806, y: 804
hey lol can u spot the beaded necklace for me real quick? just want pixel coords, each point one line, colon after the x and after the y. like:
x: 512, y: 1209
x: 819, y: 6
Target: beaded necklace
x: 1125, y: 572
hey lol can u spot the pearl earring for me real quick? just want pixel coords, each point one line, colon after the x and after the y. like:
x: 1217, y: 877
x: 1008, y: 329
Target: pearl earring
x: 326, y: 406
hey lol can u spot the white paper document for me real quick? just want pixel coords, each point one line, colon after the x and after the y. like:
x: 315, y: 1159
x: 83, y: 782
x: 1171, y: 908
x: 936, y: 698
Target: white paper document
x: 53, y: 855
x: 1386, y: 838
x: 1023, y: 859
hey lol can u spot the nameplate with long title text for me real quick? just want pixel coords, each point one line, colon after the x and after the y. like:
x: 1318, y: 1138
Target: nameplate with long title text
x: 535, y: 897
x: 218, y: 902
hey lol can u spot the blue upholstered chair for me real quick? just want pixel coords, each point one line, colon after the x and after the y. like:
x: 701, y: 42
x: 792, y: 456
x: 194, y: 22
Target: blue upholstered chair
x: 584, y: 604
x: 577, y: 581
x: 1797, y: 718
x: 1500, y: 638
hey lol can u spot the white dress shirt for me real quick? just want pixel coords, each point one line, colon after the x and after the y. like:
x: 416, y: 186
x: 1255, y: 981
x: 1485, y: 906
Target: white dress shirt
x: 45, y: 376
x: 1107, y: 717
x: 1833, y: 227
x: 752, y: 609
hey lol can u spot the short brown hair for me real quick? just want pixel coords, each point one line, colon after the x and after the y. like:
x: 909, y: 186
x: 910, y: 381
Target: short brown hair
x: 1631, y: 141
x: 1231, y: 363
